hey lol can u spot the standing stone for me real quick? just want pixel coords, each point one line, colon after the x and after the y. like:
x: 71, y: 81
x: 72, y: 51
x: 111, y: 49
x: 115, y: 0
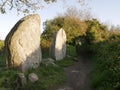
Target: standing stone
x: 58, y: 46
x: 22, y: 44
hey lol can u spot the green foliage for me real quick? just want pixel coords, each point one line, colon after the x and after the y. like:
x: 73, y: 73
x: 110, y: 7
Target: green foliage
x: 65, y: 62
x: 48, y: 77
x: 73, y: 27
x: 45, y: 44
x: 7, y: 78
x: 71, y: 50
x: 51, y: 26
x: 106, y: 70
x: 68, y: 61
x: 95, y: 31
x: 2, y: 60
x: 2, y: 56
x: 26, y: 6
x: 1, y: 46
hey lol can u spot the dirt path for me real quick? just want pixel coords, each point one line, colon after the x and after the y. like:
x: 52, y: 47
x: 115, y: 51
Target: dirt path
x: 78, y: 75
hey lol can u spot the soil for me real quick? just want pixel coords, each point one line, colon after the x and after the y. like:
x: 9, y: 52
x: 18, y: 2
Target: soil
x: 78, y: 75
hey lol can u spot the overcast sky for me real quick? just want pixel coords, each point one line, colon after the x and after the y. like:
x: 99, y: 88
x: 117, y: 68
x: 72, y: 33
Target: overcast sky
x: 105, y: 10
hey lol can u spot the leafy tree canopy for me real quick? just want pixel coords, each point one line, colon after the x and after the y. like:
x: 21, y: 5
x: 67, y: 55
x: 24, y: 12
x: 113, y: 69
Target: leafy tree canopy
x: 73, y: 27
x: 95, y: 31
x: 25, y: 6
x: 73, y: 22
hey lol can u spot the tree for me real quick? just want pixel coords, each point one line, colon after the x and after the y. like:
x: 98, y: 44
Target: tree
x: 25, y: 6
x: 72, y: 22
x: 51, y: 26
x: 82, y: 14
x: 73, y: 27
x: 96, y: 32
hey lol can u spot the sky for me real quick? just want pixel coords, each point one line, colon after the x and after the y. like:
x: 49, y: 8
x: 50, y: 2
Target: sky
x: 107, y: 11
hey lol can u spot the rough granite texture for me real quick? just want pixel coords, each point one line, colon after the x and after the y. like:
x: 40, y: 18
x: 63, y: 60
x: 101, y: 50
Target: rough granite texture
x: 22, y: 44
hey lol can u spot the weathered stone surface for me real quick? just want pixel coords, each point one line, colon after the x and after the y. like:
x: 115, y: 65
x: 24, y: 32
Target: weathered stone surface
x: 22, y: 44
x: 33, y: 77
x: 58, y: 46
x: 48, y: 61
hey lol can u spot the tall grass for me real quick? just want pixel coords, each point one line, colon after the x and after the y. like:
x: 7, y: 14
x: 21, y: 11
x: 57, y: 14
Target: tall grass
x: 71, y: 50
x: 1, y: 46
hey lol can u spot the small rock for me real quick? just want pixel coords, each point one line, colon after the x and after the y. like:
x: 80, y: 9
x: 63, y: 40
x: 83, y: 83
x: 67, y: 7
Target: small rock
x: 76, y: 59
x: 68, y: 56
x: 33, y: 77
x: 49, y: 61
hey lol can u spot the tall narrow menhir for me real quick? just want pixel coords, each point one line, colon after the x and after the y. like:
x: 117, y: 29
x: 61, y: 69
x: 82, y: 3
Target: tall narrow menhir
x: 58, y: 45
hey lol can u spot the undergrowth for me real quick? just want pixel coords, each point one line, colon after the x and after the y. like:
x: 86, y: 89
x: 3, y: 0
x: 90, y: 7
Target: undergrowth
x: 106, y: 65
x: 49, y: 76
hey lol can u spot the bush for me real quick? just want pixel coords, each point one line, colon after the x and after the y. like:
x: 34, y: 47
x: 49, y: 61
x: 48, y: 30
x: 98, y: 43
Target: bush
x: 1, y: 46
x: 45, y: 45
x: 71, y: 50
x: 2, y: 56
x: 106, y: 70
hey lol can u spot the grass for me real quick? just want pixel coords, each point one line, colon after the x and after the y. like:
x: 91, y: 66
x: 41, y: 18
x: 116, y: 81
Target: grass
x: 65, y: 62
x: 1, y: 45
x: 7, y: 78
x: 49, y: 76
x: 71, y: 50
x: 2, y: 60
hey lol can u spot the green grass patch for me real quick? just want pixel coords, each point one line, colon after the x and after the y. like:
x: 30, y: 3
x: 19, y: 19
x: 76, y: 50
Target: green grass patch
x: 45, y: 54
x: 1, y: 45
x: 7, y: 78
x: 49, y: 76
x: 2, y: 60
x: 65, y: 62
x: 71, y: 50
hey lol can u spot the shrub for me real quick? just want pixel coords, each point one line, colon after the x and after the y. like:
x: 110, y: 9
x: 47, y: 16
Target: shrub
x: 1, y: 46
x: 71, y: 50
x: 45, y: 44
x: 106, y: 70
